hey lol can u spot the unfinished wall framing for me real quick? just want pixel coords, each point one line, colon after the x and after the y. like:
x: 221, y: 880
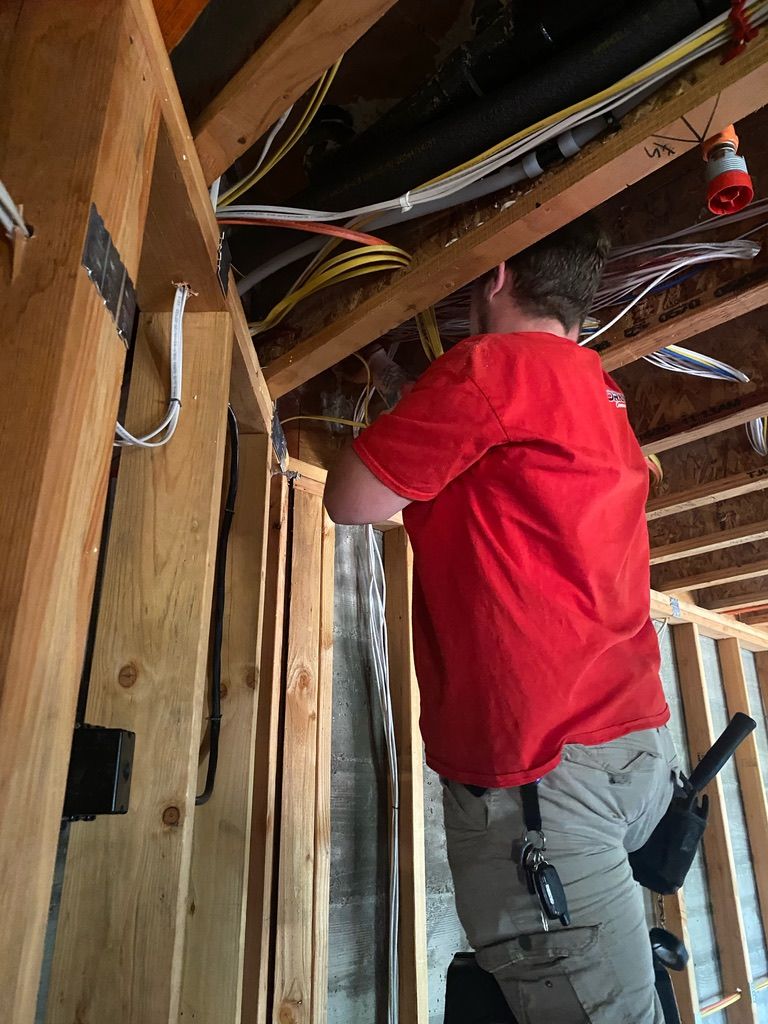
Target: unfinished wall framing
x: 153, y: 898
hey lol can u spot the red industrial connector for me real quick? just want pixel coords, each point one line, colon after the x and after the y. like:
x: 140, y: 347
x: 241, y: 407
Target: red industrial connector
x: 729, y: 186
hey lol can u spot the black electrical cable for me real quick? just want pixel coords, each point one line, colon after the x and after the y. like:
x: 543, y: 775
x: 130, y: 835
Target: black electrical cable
x: 219, y: 588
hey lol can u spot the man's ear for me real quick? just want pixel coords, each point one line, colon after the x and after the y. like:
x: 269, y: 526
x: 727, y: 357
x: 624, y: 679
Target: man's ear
x: 498, y: 281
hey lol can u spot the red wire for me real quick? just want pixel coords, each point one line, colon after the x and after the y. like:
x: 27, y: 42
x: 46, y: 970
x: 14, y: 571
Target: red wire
x: 743, y: 31
x: 311, y: 226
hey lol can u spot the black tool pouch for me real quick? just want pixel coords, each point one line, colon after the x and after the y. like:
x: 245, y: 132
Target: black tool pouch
x: 662, y: 863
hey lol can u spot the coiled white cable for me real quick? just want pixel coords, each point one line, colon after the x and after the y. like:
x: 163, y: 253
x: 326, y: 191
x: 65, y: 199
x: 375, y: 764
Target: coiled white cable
x: 163, y: 433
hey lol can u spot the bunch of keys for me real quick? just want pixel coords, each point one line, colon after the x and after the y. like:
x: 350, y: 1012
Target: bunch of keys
x: 543, y: 881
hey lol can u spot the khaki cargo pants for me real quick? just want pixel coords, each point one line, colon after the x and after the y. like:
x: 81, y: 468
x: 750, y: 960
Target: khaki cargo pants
x: 599, y: 804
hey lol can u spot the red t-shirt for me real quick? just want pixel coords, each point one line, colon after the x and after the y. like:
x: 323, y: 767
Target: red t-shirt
x: 531, y: 586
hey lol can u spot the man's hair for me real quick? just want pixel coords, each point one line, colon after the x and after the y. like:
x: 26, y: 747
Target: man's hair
x: 558, y: 276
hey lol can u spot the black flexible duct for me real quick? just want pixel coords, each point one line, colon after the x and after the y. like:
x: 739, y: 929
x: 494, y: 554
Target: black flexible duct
x: 594, y: 62
x: 219, y: 592
x: 518, y: 38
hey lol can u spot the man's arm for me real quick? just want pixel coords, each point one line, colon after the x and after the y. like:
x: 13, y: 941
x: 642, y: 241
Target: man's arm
x: 354, y: 496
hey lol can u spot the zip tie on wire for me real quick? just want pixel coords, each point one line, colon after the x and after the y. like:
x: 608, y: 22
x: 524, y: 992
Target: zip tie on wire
x: 405, y: 202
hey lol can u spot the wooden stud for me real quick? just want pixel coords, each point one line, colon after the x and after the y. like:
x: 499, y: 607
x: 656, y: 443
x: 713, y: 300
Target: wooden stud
x: 683, y: 982
x: 313, y: 36
x: 702, y: 545
x: 123, y: 907
x: 323, y: 779
x: 295, y: 898
x: 398, y: 565
x: 262, y: 876
x: 731, y: 567
x: 718, y: 851
x: 751, y: 780
x: 454, y: 249
x: 761, y: 665
x: 189, y: 204
x: 68, y: 120
x: 215, y: 927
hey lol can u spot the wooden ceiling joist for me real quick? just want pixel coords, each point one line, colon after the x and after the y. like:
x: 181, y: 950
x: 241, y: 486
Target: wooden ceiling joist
x: 313, y: 36
x: 720, y: 568
x: 747, y: 595
x: 732, y: 412
x: 759, y: 617
x: 176, y: 18
x: 697, y: 495
x: 457, y: 247
x: 716, y: 541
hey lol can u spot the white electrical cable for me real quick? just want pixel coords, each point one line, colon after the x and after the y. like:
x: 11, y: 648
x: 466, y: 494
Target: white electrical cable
x: 757, y: 432
x: 758, y: 14
x: 10, y: 216
x: 164, y: 432
x: 377, y: 599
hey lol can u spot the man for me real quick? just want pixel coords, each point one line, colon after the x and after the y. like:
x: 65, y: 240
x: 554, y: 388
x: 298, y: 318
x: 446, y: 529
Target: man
x: 523, y: 489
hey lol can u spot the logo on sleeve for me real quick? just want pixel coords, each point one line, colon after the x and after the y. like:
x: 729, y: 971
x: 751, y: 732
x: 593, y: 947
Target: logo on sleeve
x: 616, y: 398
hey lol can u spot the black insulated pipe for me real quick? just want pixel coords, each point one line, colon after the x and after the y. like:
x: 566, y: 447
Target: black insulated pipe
x: 596, y: 61
x: 515, y: 40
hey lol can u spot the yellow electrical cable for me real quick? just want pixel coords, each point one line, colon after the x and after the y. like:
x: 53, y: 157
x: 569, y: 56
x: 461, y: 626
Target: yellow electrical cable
x: 368, y: 386
x: 247, y: 182
x: 351, y: 265
x: 327, y: 419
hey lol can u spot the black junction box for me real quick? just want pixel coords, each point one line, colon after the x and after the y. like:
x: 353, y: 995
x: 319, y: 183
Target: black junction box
x: 99, y: 779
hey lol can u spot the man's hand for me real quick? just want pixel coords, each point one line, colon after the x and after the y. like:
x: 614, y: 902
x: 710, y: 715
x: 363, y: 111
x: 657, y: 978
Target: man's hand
x: 391, y: 380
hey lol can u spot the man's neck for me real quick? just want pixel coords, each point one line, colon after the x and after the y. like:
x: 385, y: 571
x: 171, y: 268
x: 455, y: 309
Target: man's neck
x: 521, y: 324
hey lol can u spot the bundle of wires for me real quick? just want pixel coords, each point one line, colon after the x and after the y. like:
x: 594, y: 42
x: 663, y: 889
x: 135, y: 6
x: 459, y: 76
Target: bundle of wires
x: 757, y: 432
x: 377, y: 599
x: 264, y: 164
x: 429, y: 333
x: 11, y: 219
x: 372, y: 255
x: 163, y: 433
x: 705, y: 40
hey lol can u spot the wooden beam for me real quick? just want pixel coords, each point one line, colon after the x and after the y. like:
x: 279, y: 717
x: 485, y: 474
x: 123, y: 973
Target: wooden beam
x: 718, y: 851
x: 123, y: 906
x: 668, y: 410
x: 702, y: 545
x: 761, y: 666
x: 722, y: 567
x: 731, y: 412
x: 733, y: 596
x: 267, y: 768
x: 185, y: 219
x: 732, y: 486
x: 216, y: 906
x: 176, y: 18
x: 295, y: 898
x: 754, y: 618
x: 751, y: 780
x: 313, y: 36
x: 398, y: 566
x: 709, y: 623
x: 458, y: 247
x: 61, y: 364
x: 322, y: 859
x: 683, y: 982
